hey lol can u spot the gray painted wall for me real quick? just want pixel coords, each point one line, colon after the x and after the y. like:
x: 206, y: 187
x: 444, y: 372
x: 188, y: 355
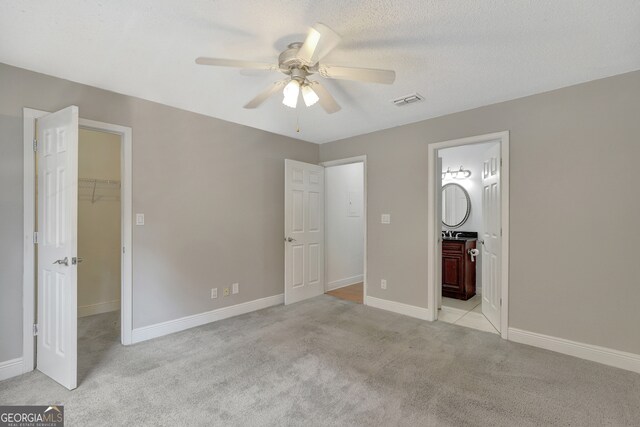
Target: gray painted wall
x: 574, y: 206
x: 10, y: 234
x: 212, y: 193
x: 200, y: 182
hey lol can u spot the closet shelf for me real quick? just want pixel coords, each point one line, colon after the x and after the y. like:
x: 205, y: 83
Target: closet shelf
x: 95, y: 189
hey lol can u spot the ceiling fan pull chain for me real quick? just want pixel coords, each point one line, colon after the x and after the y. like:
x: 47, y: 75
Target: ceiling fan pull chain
x: 297, y: 122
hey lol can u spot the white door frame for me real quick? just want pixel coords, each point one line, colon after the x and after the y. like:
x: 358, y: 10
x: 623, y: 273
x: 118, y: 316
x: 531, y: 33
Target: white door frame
x: 347, y: 161
x: 434, y: 264
x: 29, y: 215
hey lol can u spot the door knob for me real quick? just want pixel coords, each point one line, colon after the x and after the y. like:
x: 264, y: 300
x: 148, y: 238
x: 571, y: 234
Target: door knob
x: 77, y: 260
x: 290, y: 239
x: 64, y: 261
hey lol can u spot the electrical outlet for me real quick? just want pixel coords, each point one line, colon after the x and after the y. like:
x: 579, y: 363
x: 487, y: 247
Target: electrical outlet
x: 235, y: 288
x: 385, y: 218
x: 225, y: 292
x: 383, y: 283
x: 214, y: 293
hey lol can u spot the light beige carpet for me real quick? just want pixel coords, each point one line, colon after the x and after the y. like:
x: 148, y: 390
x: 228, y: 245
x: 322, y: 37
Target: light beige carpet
x: 327, y: 361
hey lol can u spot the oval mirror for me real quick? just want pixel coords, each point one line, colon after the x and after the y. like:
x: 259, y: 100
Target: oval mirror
x: 456, y: 205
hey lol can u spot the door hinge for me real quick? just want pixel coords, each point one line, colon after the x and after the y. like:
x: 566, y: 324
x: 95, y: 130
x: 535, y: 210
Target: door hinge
x: 35, y: 329
x: 35, y: 144
x: 35, y: 237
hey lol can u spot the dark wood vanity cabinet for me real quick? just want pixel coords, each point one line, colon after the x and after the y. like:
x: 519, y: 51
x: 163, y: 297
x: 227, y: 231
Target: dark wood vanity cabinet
x: 458, y: 272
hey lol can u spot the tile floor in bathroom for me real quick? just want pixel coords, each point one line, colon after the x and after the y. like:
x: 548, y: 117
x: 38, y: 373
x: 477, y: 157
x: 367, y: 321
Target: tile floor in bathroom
x: 465, y: 313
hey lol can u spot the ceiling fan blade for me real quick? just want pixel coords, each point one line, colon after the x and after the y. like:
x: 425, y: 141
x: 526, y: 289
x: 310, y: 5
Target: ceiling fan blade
x: 319, y: 42
x: 369, y: 75
x: 324, y: 98
x: 219, y: 62
x: 265, y: 94
x: 252, y: 72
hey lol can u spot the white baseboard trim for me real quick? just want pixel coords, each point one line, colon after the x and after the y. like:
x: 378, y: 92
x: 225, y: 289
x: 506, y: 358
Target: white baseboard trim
x: 11, y: 368
x: 187, y: 322
x: 398, y: 307
x: 101, y: 307
x: 594, y: 353
x: 337, y: 284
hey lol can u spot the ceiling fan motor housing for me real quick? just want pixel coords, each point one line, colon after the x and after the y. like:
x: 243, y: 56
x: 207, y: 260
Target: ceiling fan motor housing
x: 289, y: 63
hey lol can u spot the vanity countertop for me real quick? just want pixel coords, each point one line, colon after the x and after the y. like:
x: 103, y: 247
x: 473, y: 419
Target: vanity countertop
x: 459, y: 239
x: 462, y: 236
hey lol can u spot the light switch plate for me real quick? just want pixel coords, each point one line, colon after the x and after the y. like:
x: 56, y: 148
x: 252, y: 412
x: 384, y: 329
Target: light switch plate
x: 385, y: 218
x: 214, y: 293
x: 140, y: 219
x: 383, y: 283
x: 235, y: 288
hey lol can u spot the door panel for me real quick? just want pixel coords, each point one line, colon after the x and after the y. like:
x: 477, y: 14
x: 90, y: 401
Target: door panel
x: 452, y: 272
x: 314, y: 211
x: 304, y: 231
x: 57, y: 221
x: 491, y: 236
x: 297, y: 211
x: 297, y: 263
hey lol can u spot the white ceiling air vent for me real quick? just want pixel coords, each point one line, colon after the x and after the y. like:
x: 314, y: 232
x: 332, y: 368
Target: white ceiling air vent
x: 408, y: 99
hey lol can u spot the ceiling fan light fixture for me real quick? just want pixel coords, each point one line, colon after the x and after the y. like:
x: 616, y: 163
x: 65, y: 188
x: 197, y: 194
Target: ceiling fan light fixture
x: 291, y: 92
x: 309, y: 95
x: 301, y: 60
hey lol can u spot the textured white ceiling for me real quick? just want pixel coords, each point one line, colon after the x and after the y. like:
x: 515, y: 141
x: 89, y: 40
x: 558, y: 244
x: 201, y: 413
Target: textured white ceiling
x: 459, y: 54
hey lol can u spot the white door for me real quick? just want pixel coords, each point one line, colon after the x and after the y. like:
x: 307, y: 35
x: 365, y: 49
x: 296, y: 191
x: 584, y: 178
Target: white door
x: 57, y: 245
x: 438, y: 229
x: 304, y: 231
x: 491, y: 236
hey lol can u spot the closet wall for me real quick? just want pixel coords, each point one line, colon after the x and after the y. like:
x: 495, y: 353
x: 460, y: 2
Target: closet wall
x: 98, y: 223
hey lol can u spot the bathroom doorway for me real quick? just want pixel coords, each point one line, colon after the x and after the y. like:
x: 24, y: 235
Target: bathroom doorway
x: 468, y: 207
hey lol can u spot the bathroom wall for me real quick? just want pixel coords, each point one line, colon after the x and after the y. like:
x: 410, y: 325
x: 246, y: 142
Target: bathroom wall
x: 98, y: 224
x: 344, y: 187
x: 471, y: 157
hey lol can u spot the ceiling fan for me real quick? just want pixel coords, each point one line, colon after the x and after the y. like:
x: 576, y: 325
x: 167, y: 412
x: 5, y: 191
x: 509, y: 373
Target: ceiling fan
x: 301, y: 60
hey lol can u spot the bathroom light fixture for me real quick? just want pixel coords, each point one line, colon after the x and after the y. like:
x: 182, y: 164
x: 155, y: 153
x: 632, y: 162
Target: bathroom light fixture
x: 461, y: 173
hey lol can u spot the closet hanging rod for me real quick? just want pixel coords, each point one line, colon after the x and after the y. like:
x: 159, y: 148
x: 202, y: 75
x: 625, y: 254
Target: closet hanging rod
x: 99, y: 181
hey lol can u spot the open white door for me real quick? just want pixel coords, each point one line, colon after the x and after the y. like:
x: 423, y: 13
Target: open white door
x: 304, y: 231
x: 491, y: 236
x: 57, y: 160
x: 438, y: 229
